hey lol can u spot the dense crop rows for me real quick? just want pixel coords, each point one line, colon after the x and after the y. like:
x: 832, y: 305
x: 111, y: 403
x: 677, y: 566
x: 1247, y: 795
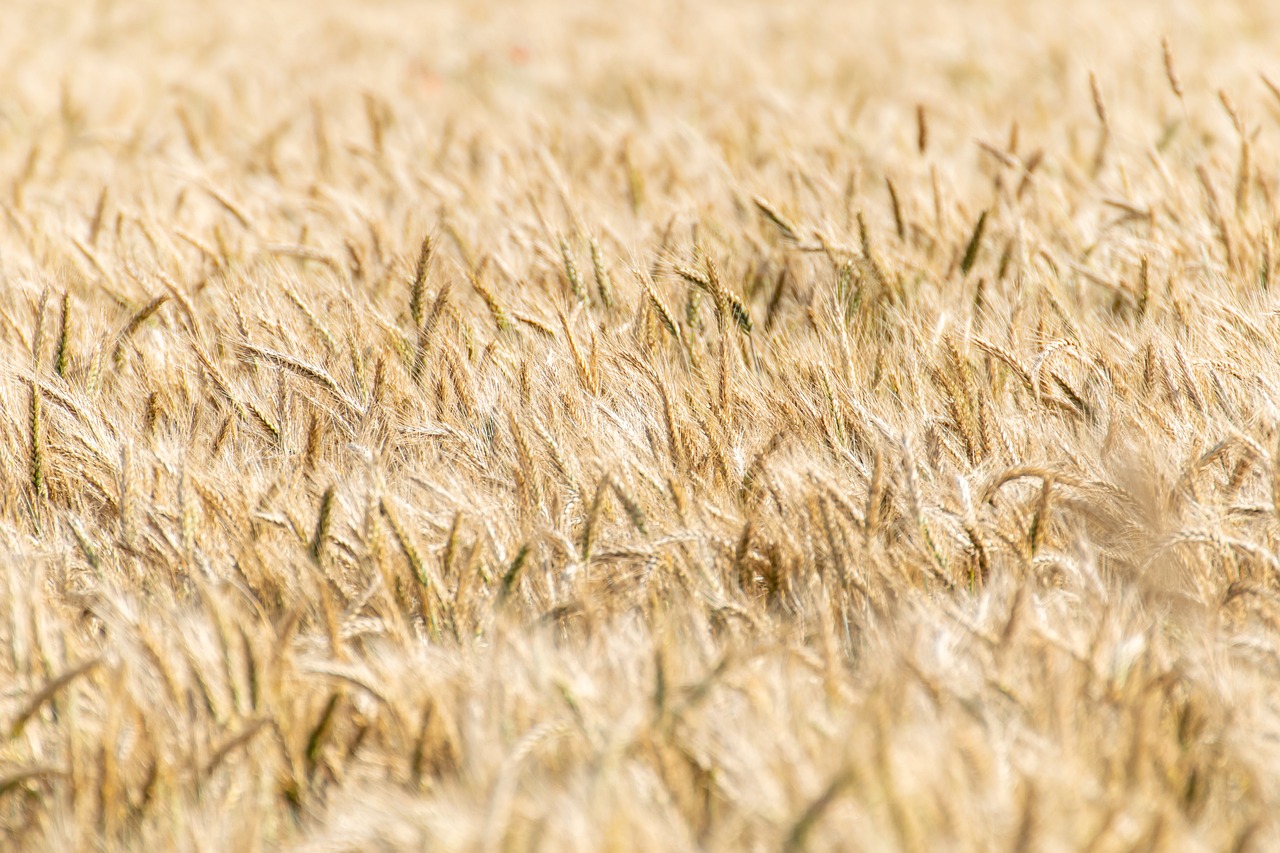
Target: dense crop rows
x: 650, y: 426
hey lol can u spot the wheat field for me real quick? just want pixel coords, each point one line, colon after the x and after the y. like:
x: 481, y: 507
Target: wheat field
x: 639, y: 426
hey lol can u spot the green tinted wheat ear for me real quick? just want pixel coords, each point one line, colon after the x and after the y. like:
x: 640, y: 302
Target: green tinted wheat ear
x: 1104, y: 135
x: 741, y: 315
x: 604, y: 280
x: 87, y: 549
x: 64, y: 328
x: 451, y: 544
x: 46, y: 693
x: 264, y: 422
x: 512, y: 574
x: 99, y: 210
x: 405, y: 541
x: 864, y: 235
x: 35, y: 428
x: 875, y: 497
x: 898, y: 225
x: 726, y: 300
x: 589, y: 523
x: 324, y: 520
x: 35, y: 416
x: 418, y: 287
x: 94, y: 373
x: 702, y: 279
x: 775, y: 298
x: 1144, y: 285
x: 1040, y: 520
x: 975, y: 243
x: 311, y: 450
x: 571, y: 272
x: 633, y: 510
x: 797, y: 836
x: 692, y: 304
x: 141, y: 316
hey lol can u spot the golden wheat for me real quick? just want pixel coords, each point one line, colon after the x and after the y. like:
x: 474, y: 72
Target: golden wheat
x: 902, y: 474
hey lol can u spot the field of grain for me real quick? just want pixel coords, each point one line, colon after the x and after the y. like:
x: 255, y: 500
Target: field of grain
x: 639, y: 426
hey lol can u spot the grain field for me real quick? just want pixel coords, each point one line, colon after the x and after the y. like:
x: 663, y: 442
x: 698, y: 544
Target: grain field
x: 666, y: 425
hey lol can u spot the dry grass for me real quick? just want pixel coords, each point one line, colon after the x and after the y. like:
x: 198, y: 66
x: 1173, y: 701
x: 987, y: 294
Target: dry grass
x: 680, y: 426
